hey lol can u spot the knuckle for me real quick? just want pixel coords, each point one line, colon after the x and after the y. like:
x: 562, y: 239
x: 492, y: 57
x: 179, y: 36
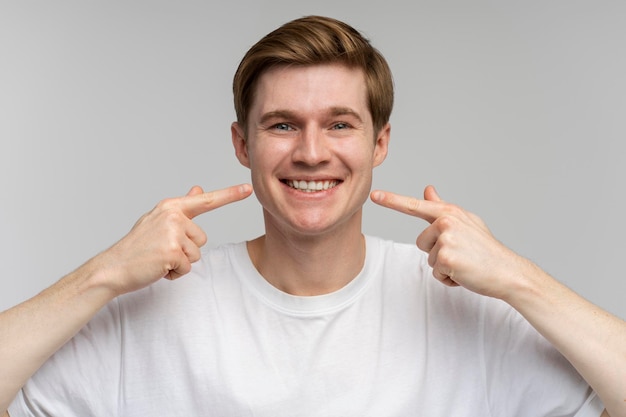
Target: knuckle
x: 209, y: 198
x: 455, y: 210
x: 446, y: 222
x: 184, y: 268
x: 419, y: 242
x: 447, y: 240
x: 167, y: 203
x: 432, y: 260
x: 172, y: 215
x: 173, y: 219
x: 412, y: 205
x: 172, y: 251
x: 445, y: 259
x: 194, y: 257
x: 202, y: 239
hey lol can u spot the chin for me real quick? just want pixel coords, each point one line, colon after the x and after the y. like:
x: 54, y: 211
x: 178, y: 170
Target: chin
x: 323, y: 225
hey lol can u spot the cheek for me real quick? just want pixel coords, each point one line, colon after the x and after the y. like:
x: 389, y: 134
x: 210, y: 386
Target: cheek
x: 359, y: 159
x: 363, y: 168
x: 269, y: 152
x: 263, y: 163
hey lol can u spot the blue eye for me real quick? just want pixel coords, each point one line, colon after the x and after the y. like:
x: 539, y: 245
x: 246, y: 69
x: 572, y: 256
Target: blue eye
x: 340, y: 126
x: 282, y: 126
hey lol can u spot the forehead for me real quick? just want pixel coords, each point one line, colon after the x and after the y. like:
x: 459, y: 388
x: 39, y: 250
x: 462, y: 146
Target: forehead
x: 310, y: 90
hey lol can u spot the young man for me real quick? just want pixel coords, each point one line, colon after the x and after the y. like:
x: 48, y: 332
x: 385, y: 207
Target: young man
x: 313, y: 317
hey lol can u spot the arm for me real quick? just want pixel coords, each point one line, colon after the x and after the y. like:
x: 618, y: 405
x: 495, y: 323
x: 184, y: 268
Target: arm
x: 462, y: 252
x: 163, y: 243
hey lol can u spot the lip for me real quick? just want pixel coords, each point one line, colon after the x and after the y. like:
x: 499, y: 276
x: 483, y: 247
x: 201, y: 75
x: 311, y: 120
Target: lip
x: 309, y: 178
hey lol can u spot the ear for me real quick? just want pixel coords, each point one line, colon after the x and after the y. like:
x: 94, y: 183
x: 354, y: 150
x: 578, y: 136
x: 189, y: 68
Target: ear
x: 239, y: 142
x: 382, y: 144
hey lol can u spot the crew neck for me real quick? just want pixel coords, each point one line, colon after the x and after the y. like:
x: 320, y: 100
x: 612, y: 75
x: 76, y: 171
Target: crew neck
x: 315, y: 305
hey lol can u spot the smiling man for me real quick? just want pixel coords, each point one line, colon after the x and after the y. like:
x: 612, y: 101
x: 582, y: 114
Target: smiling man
x: 312, y: 318
x: 310, y: 143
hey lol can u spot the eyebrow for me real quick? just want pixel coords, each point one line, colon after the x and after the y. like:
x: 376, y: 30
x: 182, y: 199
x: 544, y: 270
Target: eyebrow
x: 276, y: 114
x: 345, y: 111
x: 288, y: 114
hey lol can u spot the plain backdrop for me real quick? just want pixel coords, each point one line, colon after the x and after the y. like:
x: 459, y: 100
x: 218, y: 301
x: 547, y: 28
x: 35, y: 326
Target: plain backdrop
x: 514, y: 110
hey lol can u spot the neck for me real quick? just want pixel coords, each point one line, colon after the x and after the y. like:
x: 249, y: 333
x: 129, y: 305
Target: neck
x: 309, y: 265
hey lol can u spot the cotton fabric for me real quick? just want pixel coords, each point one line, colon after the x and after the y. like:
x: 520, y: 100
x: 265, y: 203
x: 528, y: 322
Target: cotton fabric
x: 222, y: 341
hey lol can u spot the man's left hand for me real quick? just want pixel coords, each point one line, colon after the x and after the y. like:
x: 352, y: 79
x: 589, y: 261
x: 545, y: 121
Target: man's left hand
x: 461, y: 249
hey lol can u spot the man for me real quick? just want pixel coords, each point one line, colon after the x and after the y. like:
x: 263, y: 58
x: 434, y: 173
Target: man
x: 312, y: 318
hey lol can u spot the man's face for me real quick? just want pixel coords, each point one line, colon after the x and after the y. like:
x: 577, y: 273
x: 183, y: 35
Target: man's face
x: 311, y: 148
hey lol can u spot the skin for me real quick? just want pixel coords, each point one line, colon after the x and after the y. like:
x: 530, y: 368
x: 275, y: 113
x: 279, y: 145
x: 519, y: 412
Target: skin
x: 310, y: 124
x: 463, y: 252
x: 309, y: 234
x: 162, y: 244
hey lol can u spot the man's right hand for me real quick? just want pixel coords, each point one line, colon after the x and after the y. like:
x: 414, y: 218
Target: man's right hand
x: 164, y: 242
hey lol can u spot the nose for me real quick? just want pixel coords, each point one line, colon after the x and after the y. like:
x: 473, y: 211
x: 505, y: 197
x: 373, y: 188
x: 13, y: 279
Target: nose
x: 312, y: 147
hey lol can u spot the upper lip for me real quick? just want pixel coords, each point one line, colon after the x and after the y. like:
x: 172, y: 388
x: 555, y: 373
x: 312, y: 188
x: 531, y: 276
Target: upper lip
x: 309, y: 178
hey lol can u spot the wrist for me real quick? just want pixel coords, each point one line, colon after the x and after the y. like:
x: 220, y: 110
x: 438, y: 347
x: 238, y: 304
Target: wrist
x: 99, y: 278
x: 534, y: 292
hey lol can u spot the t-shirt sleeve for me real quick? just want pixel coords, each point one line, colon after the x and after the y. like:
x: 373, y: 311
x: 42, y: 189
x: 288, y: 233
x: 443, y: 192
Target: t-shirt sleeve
x: 525, y: 375
x: 82, y: 378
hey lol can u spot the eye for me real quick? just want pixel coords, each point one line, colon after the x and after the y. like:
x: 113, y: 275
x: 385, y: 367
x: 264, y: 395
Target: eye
x: 341, y: 126
x: 282, y: 126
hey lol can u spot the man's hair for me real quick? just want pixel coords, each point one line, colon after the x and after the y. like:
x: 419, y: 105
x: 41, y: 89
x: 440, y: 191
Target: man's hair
x: 314, y: 40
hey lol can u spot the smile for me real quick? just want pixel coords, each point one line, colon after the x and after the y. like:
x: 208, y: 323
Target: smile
x: 311, y: 186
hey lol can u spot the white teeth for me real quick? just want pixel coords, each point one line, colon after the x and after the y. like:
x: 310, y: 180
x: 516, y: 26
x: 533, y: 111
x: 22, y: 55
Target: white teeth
x: 311, y: 186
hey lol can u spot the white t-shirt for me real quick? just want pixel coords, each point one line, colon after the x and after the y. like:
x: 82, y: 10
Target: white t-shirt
x: 223, y: 342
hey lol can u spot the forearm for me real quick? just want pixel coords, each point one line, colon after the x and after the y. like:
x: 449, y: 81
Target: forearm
x: 163, y: 243
x: 32, y: 331
x: 593, y: 340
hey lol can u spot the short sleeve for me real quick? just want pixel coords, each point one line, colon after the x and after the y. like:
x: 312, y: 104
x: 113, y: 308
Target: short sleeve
x: 82, y: 378
x: 525, y: 375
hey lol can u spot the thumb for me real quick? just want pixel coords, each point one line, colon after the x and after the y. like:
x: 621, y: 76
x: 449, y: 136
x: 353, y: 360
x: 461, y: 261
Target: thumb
x: 195, y: 190
x: 431, y: 194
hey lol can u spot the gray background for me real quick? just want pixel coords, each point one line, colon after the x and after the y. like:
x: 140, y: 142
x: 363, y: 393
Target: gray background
x: 513, y: 110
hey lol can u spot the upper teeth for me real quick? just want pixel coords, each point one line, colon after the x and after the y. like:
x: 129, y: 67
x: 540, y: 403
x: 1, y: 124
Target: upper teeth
x: 310, y: 186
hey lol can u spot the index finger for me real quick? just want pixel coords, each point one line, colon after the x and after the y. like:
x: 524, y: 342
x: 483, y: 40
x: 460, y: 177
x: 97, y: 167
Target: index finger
x: 424, y: 209
x: 194, y: 205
